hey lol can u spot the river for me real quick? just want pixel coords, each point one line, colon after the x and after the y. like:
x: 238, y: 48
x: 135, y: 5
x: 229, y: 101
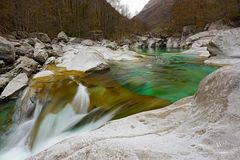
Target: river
x: 69, y: 102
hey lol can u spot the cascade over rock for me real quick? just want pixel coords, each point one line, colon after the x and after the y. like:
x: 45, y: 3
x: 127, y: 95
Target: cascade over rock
x: 192, y: 125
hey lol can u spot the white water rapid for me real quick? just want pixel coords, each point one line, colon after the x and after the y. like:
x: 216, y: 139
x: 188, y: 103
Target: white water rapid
x: 54, y: 127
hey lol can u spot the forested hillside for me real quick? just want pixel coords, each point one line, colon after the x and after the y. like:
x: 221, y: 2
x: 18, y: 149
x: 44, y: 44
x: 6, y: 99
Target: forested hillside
x: 174, y: 14
x: 201, y: 12
x: 75, y: 17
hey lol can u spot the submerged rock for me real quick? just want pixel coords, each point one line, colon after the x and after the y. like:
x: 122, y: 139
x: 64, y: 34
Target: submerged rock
x: 202, y: 127
x: 14, y: 86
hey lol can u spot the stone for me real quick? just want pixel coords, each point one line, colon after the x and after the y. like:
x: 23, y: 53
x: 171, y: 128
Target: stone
x: 89, y: 58
x: 43, y: 37
x: 50, y: 60
x: 142, y: 39
x: 76, y: 40
x: 7, y: 51
x: 226, y: 43
x: 206, y: 35
x: 222, y: 61
x: 25, y: 65
x: 173, y: 42
x: 62, y: 36
x: 109, y: 44
x: 56, y: 51
x: 154, y: 42
x: 21, y: 34
x: 82, y: 59
x: 201, y: 51
x: 15, y: 85
x: 88, y: 42
x: 125, y: 42
x: 40, y: 53
x: 5, y: 79
x: 2, y: 64
x: 25, y: 49
x: 42, y: 74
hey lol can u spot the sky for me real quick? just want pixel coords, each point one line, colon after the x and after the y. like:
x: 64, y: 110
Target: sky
x: 135, y: 5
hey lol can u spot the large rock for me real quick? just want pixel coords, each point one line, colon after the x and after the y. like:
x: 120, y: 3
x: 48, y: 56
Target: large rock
x: 62, y: 37
x: 21, y: 34
x: 153, y: 42
x: 56, y: 51
x: 7, y: 51
x: 88, y: 42
x: 86, y: 58
x: 201, y: 51
x: 205, y: 127
x: 25, y: 65
x: 40, y: 53
x: 202, y: 37
x: 24, y: 49
x: 80, y: 58
x: 109, y: 44
x: 226, y: 43
x: 222, y: 61
x: 14, y: 86
x: 173, y: 42
x: 43, y: 37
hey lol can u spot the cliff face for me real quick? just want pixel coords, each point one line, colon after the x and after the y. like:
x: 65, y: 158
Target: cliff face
x: 156, y: 12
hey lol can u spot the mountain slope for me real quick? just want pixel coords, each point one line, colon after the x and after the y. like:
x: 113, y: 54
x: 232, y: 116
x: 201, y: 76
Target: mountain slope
x: 156, y: 12
x: 174, y: 14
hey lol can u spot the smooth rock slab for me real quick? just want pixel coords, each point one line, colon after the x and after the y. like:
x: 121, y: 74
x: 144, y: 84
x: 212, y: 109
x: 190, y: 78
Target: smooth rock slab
x: 45, y: 73
x: 83, y: 58
x: 15, y: 85
x: 222, y: 61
